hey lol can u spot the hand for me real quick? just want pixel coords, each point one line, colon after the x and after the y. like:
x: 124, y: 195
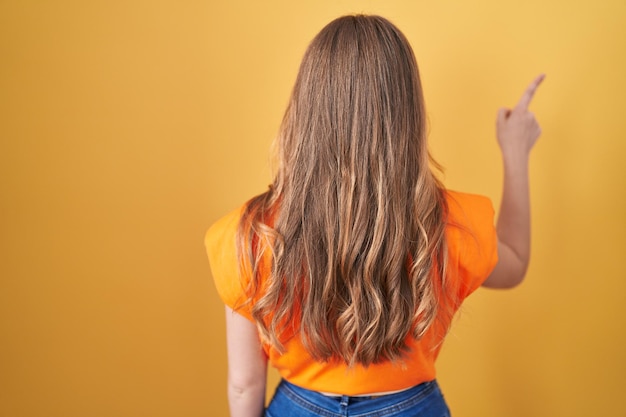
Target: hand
x: 517, y: 129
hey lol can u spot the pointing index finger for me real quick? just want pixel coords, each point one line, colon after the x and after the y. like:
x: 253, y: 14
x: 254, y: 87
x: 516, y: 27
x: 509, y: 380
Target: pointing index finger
x: 530, y: 92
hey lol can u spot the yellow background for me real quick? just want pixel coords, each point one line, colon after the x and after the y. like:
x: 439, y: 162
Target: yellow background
x: 127, y: 128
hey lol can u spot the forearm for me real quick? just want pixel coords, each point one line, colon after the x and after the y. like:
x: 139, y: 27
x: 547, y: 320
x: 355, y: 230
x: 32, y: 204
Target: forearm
x: 513, y: 226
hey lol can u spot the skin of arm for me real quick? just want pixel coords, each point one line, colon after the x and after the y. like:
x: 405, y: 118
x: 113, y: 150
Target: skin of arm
x: 517, y: 133
x: 247, y: 367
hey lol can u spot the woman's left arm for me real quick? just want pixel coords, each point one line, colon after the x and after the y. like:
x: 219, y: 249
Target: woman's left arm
x: 247, y: 367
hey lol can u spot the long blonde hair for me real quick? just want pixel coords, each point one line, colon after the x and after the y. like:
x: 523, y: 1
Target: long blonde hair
x: 346, y: 250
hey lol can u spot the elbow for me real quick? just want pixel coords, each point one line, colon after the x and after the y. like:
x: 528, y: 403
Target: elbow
x: 246, y: 397
x: 517, y: 274
x: 237, y: 393
x: 507, y: 276
x: 510, y: 270
x: 512, y: 281
x: 240, y: 386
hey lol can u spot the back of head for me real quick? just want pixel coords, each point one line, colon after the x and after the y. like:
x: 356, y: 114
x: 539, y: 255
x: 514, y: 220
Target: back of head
x: 357, y: 228
x: 357, y: 103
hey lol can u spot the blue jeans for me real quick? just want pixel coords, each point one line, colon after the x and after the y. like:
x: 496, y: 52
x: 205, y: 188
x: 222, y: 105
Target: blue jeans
x: 424, y: 400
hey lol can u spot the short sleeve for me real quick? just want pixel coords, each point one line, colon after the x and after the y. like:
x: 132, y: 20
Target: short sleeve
x: 472, y: 240
x: 220, y: 243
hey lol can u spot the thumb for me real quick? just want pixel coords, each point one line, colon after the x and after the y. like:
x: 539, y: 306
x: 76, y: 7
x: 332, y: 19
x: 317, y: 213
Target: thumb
x: 503, y: 114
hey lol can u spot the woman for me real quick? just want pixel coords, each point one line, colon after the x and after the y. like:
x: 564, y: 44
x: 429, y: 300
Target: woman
x: 346, y: 273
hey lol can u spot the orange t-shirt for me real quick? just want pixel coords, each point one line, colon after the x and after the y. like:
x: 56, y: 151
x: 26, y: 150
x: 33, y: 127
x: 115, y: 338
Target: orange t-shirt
x: 472, y: 254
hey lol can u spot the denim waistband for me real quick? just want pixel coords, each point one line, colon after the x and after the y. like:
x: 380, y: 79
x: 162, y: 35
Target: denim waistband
x: 375, y: 405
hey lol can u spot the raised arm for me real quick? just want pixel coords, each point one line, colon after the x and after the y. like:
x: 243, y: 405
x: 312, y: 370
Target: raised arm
x: 517, y: 132
x: 247, y: 367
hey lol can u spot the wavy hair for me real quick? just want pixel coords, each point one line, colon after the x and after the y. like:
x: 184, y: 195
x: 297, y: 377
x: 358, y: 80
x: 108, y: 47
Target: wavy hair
x: 347, y: 249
